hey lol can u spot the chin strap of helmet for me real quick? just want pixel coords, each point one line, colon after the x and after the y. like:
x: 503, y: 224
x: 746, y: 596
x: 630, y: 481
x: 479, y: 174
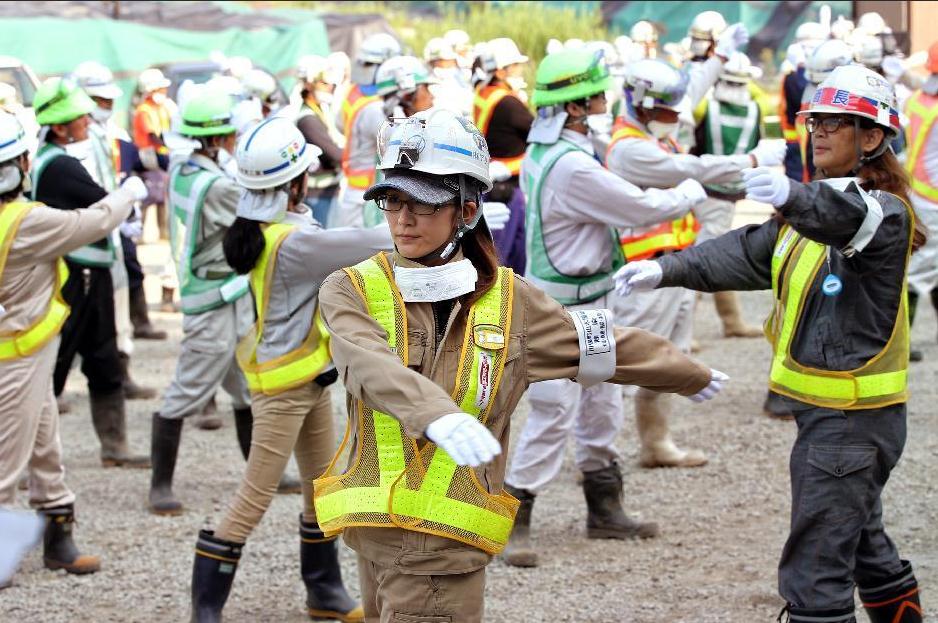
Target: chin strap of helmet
x: 864, y: 158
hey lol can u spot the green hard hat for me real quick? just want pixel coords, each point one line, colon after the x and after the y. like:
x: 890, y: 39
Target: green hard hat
x: 570, y: 75
x: 207, y: 114
x: 60, y: 100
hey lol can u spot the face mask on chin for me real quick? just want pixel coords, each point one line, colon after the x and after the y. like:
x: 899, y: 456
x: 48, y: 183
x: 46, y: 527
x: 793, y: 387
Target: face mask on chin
x: 732, y: 93
x: 79, y: 149
x: 101, y: 115
x: 516, y: 83
x: 699, y: 47
x: 323, y: 97
x: 661, y: 130
x: 159, y: 98
x: 599, y: 124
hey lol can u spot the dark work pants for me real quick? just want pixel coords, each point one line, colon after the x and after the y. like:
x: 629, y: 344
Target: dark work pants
x: 89, y: 331
x: 839, y: 465
x: 131, y: 263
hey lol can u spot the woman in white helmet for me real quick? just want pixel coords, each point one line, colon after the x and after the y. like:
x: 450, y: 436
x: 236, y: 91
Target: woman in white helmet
x: 287, y: 254
x: 422, y: 501
x: 835, y: 255
x: 33, y: 239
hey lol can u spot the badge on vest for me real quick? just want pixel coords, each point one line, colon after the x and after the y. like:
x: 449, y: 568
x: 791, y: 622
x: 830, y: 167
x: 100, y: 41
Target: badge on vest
x: 488, y: 336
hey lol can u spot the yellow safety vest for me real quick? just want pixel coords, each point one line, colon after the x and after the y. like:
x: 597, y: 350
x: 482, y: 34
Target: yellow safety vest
x: 922, y: 110
x: 397, y: 483
x: 31, y: 339
x: 297, y: 367
x: 668, y: 236
x: 880, y: 382
x: 361, y: 179
x: 483, y: 107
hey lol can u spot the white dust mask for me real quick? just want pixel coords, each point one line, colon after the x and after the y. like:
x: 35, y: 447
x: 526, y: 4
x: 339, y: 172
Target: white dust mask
x: 101, y: 115
x: 661, y: 130
x: 430, y: 284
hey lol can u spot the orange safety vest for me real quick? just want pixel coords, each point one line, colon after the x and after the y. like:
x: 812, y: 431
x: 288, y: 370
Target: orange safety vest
x: 151, y: 118
x: 804, y: 141
x: 789, y: 132
x: 483, y: 107
x: 922, y: 110
x: 668, y: 236
x: 361, y: 179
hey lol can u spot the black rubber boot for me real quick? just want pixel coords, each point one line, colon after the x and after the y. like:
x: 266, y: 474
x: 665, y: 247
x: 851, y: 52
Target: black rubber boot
x: 806, y: 615
x: 164, y: 447
x: 213, y: 571
x: 58, y: 548
x: 140, y: 317
x: 132, y: 391
x: 774, y: 407
x: 606, y: 519
x: 915, y: 354
x: 244, y: 423
x: 519, y: 552
x: 109, y: 416
x: 895, y: 599
x: 326, y: 597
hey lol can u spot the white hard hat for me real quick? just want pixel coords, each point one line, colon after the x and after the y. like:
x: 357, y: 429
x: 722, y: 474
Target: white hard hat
x: 97, y: 80
x: 437, y: 142
x: 238, y: 66
x: 151, y: 80
x: 795, y: 55
x: 12, y: 137
x: 258, y: 83
x: 273, y: 153
x: 857, y: 90
x: 623, y: 44
x: 644, y: 32
x: 438, y: 49
x: 826, y: 57
x: 609, y: 51
x: 651, y: 83
x: 315, y: 68
x: 229, y: 85
x: 707, y: 25
x: 457, y: 38
x: 871, y: 23
x: 339, y: 61
x: 8, y: 95
x: 868, y: 49
x: 377, y: 48
x: 401, y: 75
x: 738, y: 68
x: 554, y: 45
x: 574, y: 43
x: 841, y: 28
x: 810, y: 31
x: 505, y: 52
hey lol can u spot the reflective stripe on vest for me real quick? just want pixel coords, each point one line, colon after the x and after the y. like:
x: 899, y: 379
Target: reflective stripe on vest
x: 297, y: 367
x: 186, y: 198
x: 483, y: 107
x: 90, y: 254
x: 882, y: 381
x: 46, y: 327
x: 361, y: 179
x: 672, y: 235
x: 565, y: 289
x: 395, y: 483
x: 922, y: 110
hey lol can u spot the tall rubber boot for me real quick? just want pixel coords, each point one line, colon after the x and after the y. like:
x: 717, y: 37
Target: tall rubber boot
x: 606, y: 519
x: 727, y: 304
x: 110, y: 423
x: 658, y: 449
x: 915, y: 354
x: 895, y: 599
x: 807, y: 615
x: 933, y: 295
x: 519, y: 552
x: 244, y: 426
x: 132, y: 391
x: 164, y: 447
x: 168, y: 303
x: 326, y: 597
x: 213, y: 571
x: 58, y: 549
x: 140, y: 317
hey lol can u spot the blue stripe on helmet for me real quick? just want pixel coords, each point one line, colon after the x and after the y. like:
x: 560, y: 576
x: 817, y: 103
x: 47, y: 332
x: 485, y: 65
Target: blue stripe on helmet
x: 260, y: 125
x: 283, y: 165
x: 8, y: 143
x: 458, y: 150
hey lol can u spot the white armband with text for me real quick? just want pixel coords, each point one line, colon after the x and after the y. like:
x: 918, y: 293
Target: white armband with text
x: 594, y: 329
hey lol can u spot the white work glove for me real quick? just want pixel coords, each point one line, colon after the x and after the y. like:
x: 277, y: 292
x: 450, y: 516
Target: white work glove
x: 496, y: 215
x: 732, y: 39
x: 464, y: 438
x: 136, y: 186
x: 717, y: 381
x: 770, y: 152
x: 640, y: 275
x: 692, y: 189
x: 766, y: 185
x: 132, y: 229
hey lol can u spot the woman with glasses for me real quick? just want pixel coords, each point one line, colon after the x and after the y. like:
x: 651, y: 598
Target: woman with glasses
x: 835, y: 255
x: 286, y: 254
x: 436, y: 344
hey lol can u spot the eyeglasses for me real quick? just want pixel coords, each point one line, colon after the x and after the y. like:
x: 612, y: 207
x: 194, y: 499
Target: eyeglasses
x: 396, y: 204
x: 830, y: 125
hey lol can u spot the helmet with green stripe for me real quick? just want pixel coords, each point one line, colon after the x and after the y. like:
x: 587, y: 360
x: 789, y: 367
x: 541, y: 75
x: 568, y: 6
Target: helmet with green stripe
x: 401, y: 75
x: 207, y: 114
x: 570, y: 75
x: 61, y: 100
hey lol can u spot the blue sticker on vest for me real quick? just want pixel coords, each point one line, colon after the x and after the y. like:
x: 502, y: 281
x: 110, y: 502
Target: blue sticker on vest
x: 832, y: 285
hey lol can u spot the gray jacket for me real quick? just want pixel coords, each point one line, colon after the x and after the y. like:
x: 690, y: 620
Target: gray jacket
x: 839, y: 332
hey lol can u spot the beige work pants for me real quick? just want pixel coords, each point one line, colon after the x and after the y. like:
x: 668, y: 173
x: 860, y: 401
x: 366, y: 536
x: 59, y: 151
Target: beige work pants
x: 391, y: 596
x: 299, y: 421
x: 29, y: 430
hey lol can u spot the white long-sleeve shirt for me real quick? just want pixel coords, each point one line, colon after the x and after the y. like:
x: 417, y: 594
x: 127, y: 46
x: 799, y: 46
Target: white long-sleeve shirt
x: 581, y: 200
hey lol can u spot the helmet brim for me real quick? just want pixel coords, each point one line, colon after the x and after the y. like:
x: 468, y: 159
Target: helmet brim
x: 421, y: 187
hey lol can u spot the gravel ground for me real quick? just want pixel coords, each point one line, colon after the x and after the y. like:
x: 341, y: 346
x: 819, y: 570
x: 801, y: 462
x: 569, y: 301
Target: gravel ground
x: 723, y: 525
